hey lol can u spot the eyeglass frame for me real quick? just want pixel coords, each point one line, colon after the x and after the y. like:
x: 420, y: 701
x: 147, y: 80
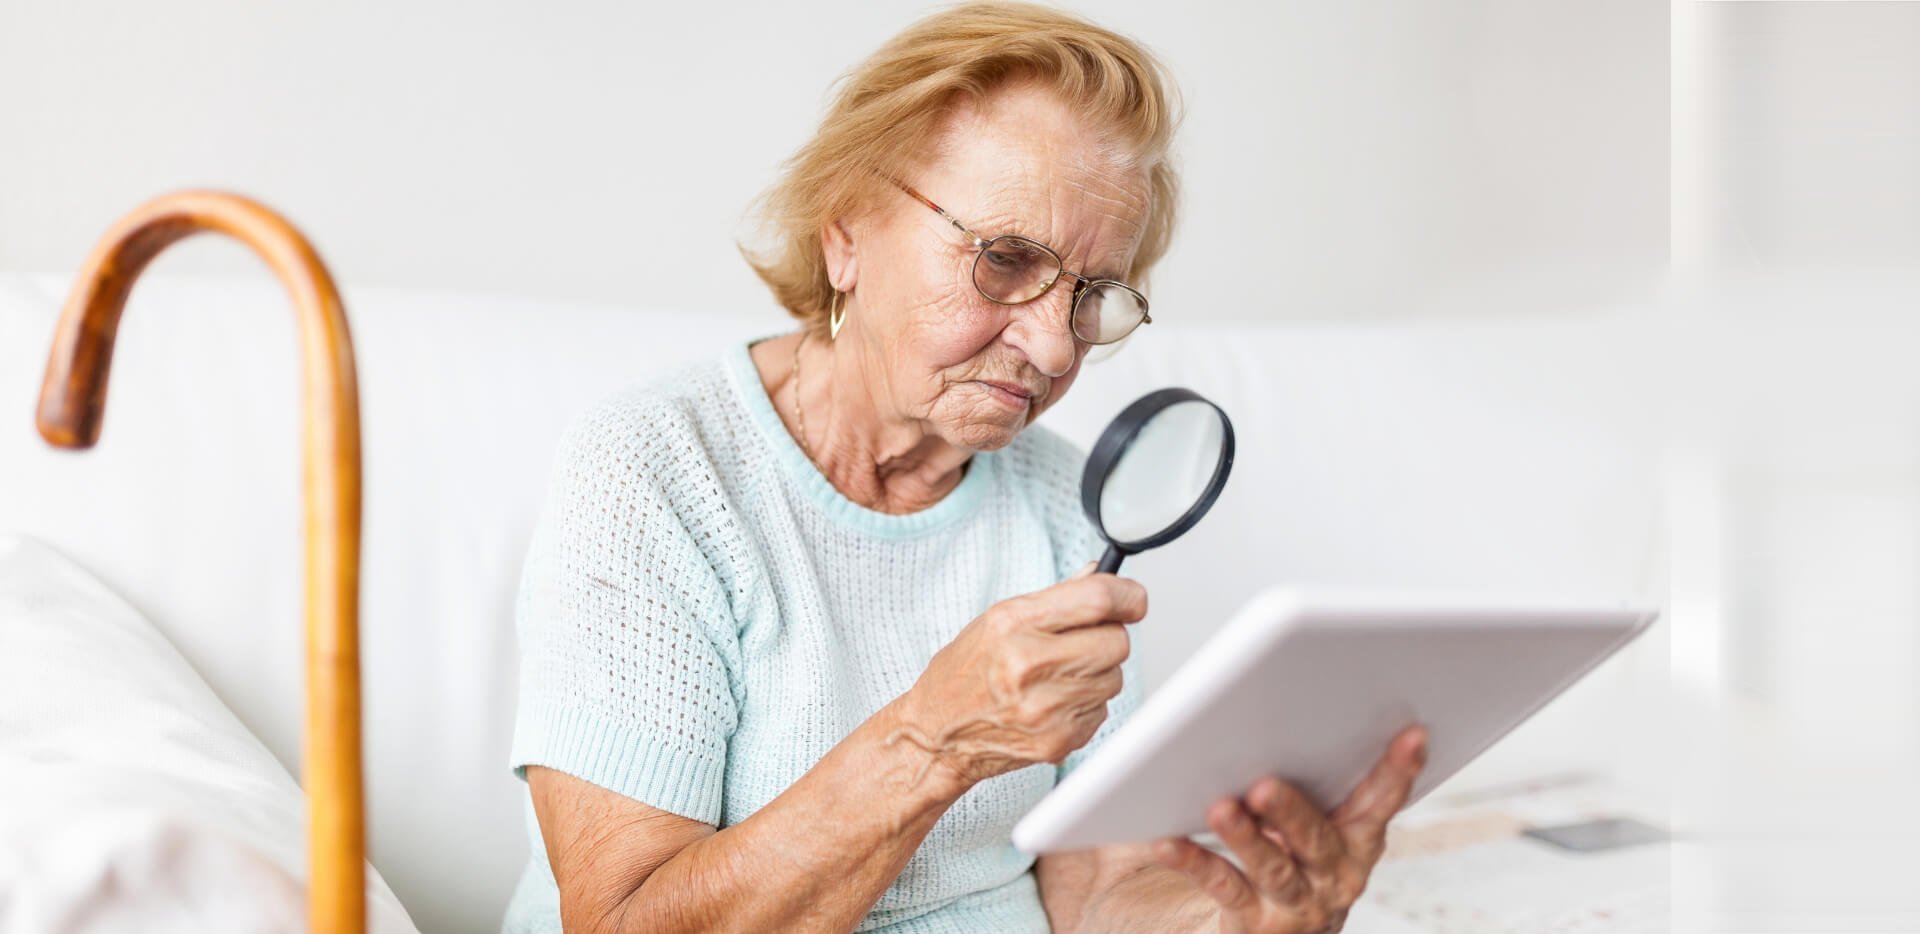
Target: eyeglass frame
x: 1083, y: 283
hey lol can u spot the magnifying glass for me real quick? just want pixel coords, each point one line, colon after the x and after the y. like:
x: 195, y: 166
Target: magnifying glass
x: 1155, y: 471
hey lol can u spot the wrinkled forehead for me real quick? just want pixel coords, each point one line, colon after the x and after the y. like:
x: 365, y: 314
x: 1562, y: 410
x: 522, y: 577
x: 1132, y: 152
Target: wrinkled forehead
x: 1021, y: 161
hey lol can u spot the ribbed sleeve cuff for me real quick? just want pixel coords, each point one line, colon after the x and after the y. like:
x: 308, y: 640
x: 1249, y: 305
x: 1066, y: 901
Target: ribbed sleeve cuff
x: 619, y: 759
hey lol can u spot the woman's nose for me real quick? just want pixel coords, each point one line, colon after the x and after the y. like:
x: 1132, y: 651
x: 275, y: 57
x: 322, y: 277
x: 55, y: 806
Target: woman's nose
x: 1044, y: 330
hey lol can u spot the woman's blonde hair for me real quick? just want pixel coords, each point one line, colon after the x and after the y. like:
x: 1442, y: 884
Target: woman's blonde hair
x: 889, y: 111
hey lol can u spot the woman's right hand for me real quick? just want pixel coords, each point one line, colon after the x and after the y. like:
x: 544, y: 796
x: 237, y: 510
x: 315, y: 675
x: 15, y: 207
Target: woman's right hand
x: 1027, y: 681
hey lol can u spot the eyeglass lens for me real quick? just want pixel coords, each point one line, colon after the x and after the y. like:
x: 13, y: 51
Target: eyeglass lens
x: 1012, y: 270
x: 1106, y: 312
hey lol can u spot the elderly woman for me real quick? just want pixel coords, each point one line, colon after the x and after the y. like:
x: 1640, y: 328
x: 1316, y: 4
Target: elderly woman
x: 807, y: 628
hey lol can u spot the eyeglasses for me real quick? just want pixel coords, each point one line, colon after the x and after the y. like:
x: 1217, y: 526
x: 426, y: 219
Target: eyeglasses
x: 1013, y: 270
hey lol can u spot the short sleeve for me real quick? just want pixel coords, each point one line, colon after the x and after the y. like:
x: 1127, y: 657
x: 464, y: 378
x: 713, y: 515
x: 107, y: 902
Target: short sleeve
x: 627, y: 646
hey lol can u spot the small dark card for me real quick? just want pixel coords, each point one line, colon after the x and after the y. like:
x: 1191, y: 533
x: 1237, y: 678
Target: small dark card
x: 1595, y: 835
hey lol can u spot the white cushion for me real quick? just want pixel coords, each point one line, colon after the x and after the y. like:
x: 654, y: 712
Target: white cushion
x: 130, y: 797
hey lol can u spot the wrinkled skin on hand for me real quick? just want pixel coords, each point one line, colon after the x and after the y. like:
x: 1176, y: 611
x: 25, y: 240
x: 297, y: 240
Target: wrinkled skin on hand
x: 1302, y: 869
x: 1027, y: 681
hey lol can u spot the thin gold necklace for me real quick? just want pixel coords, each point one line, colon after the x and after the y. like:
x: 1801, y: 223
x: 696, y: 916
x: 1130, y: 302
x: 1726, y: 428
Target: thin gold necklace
x: 799, y: 414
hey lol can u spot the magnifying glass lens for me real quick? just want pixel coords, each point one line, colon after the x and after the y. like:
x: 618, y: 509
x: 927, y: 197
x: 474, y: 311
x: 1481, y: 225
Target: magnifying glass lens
x: 1163, y: 472
x: 1156, y: 470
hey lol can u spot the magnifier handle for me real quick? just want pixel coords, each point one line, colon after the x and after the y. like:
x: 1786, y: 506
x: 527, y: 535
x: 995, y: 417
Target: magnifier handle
x: 1110, y: 562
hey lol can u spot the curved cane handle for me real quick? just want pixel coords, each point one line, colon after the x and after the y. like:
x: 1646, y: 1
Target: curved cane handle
x: 73, y: 397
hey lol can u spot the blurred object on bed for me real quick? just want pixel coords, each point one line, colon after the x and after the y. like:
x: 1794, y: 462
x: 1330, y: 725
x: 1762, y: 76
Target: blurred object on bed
x: 130, y: 797
x: 1464, y: 862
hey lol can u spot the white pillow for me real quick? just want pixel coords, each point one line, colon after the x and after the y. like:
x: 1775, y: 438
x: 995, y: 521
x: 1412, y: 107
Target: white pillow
x: 131, y: 798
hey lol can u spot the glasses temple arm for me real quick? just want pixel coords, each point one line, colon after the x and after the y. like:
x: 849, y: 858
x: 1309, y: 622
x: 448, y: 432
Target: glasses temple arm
x: 978, y: 241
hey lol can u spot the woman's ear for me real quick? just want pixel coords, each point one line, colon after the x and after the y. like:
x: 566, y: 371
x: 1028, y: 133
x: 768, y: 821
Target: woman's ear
x: 843, y: 260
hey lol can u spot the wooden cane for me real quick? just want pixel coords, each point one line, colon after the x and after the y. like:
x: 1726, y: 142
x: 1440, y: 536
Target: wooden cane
x: 73, y: 396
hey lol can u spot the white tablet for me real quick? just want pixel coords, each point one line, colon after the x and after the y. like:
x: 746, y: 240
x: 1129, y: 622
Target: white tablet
x: 1311, y: 688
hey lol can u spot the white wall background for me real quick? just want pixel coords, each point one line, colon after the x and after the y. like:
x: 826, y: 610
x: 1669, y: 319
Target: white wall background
x: 1402, y: 158
x: 1796, y: 602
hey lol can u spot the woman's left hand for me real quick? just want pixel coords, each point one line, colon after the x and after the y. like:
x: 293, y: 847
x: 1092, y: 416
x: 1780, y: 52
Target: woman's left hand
x: 1303, y: 869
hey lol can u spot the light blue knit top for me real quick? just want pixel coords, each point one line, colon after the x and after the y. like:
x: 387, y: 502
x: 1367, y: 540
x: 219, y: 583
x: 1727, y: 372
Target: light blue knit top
x: 702, y: 616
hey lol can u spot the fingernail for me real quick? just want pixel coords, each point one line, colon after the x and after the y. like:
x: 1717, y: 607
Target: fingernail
x: 1268, y: 789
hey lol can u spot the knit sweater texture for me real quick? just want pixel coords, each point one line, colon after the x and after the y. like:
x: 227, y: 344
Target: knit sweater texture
x: 702, y: 616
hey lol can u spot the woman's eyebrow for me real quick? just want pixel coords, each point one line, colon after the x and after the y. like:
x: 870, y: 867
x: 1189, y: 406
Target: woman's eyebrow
x: 997, y: 224
x: 1101, y: 272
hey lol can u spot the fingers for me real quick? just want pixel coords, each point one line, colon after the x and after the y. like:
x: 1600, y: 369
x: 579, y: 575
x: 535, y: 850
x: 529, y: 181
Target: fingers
x: 1108, y: 684
x: 1085, y: 601
x: 1085, y: 569
x: 1090, y: 692
x: 1363, y: 817
x: 1264, y: 861
x: 1210, y: 872
x: 1095, y: 649
x: 1086, y: 722
x: 1285, y: 809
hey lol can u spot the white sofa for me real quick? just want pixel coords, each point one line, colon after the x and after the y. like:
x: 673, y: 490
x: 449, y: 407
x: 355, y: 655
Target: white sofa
x: 1498, y: 454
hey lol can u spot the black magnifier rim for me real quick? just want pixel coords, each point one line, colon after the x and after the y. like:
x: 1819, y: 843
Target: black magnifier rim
x: 1114, y: 442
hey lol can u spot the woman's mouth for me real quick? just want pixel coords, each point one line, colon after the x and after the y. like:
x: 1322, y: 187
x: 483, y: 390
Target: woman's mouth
x: 1012, y: 395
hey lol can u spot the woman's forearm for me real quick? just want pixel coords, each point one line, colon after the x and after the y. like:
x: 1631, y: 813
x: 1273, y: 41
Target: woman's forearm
x: 817, y: 856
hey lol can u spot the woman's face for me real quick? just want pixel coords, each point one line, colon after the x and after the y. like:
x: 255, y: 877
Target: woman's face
x: 969, y: 370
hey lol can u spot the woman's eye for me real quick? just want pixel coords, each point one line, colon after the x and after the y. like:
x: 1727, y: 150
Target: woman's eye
x: 1006, y: 260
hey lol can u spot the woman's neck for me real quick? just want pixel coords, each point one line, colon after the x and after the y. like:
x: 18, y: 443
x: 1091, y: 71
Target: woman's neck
x: 878, y: 460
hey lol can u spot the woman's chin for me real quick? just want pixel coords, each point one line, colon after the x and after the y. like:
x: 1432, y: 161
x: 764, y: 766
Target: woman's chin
x: 987, y: 435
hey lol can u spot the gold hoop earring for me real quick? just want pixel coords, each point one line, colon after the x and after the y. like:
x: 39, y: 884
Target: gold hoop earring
x: 836, y: 316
